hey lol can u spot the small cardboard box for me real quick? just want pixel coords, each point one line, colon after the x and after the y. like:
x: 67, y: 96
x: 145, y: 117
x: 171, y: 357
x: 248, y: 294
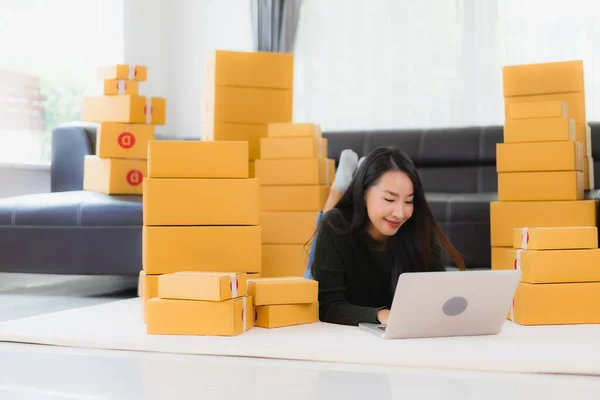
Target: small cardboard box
x: 250, y: 68
x: 197, y: 159
x: 278, y: 316
x: 228, y: 131
x: 505, y: 216
x: 539, y: 156
x: 286, y: 148
x: 130, y: 109
x: 294, y: 130
x: 293, y: 198
x: 556, y: 266
x: 539, y: 110
x: 556, y: 238
x: 500, y: 258
x: 284, y: 290
x: 540, y: 186
x: 556, y: 304
x: 123, y: 71
x: 121, y: 86
x: 167, y: 249
x: 251, y: 173
x: 575, y: 103
x: 540, y: 78
x: 201, y: 201
x: 308, y: 171
x: 283, y: 260
x: 539, y: 130
x: 204, y: 318
x: 205, y: 286
x: 113, y: 176
x: 117, y: 140
x: 288, y: 227
x: 247, y: 104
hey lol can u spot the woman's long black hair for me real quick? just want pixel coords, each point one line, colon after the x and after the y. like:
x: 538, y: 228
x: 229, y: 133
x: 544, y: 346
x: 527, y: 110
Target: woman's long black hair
x: 413, y: 244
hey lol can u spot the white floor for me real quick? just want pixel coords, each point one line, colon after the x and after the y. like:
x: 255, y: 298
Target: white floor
x: 45, y: 372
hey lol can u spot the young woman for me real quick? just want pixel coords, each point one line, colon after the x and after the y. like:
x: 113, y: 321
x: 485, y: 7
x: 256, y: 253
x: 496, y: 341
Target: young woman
x: 378, y: 227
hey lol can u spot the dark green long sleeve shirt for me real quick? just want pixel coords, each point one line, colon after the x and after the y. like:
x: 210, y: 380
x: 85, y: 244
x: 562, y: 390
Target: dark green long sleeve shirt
x: 355, y: 282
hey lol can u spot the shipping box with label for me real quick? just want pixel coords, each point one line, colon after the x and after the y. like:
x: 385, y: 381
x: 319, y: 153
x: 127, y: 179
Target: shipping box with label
x: 113, y: 176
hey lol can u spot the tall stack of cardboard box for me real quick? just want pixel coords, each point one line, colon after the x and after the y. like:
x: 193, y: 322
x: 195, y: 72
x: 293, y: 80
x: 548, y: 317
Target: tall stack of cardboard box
x: 201, y: 214
x: 295, y: 176
x: 243, y: 92
x: 126, y: 125
x: 541, y: 172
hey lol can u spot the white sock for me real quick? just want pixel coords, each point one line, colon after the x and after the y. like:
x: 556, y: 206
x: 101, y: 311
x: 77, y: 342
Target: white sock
x: 346, y: 167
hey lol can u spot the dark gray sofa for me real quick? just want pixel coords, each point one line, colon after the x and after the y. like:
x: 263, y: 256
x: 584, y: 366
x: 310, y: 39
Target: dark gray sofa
x: 70, y: 231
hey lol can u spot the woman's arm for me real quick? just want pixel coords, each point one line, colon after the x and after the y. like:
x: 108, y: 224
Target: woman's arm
x: 330, y: 272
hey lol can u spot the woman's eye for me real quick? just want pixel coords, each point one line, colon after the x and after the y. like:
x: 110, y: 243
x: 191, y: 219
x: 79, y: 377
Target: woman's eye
x: 389, y: 200
x: 410, y: 202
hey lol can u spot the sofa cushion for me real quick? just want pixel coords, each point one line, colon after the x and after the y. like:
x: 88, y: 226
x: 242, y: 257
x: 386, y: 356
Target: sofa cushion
x: 460, y: 207
x: 75, y: 208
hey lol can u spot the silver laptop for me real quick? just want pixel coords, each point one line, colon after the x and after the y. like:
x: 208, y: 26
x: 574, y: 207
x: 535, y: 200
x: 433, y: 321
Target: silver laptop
x: 442, y: 304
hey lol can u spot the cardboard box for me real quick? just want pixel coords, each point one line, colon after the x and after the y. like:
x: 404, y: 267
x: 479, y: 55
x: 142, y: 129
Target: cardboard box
x: 123, y: 71
x: 168, y: 249
x: 575, y: 103
x: 294, y: 130
x: 557, y: 304
x: 538, y: 186
x: 253, y: 275
x: 204, y: 286
x: 251, y: 169
x: 130, y: 109
x: 247, y: 105
x: 286, y: 315
x: 556, y: 266
x: 285, y: 290
x: 206, y: 318
x: 540, y: 78
x: 307, y: 171
x: 500, y: 258
x: 583, y: 135
x: 201, y: 202
x: 588, y: 173
x: 113, y: 176
x: 293, y: 198
x: 284, y: 260
x: 556, y: 238
x: 288, y: 227
x: 539, y: 156
x: 117, y: 140
x: 539, y: 110
x: 225, y: 131
x: 197, y: 159
x: 120, y: 86
x: 539, y: 130
x: 251, y: 69
x: 505, y: 216
x: 287, y: 148
x: 147, y: 289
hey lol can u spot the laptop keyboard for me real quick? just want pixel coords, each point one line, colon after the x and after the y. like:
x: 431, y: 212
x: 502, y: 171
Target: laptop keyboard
x: 381, y: 328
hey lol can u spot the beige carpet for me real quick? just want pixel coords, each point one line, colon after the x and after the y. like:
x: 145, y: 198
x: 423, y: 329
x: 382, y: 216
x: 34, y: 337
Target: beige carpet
x: 118, y: 325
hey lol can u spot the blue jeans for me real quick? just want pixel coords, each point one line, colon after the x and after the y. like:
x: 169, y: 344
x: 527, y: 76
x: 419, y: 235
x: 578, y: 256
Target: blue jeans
x: 311, y: 255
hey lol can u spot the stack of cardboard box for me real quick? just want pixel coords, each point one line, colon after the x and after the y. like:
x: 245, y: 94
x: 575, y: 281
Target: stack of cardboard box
x: 126, y: 124
x: 560, y: 275
x: 295, y: 175
x: 540, y: 223
x: 542, y: 160
x: 283, y: 302
x: 200, y: 303
x: 201, y: 211
x: 244, y: 91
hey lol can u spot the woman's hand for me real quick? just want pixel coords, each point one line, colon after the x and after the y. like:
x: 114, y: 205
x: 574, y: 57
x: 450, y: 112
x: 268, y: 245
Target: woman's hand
x: 383, y: 316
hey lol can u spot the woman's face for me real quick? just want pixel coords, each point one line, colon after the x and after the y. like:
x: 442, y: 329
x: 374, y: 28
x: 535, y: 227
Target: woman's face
x: 389, y: 204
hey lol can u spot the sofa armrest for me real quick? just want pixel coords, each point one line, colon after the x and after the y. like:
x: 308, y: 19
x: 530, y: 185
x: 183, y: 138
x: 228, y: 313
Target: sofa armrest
x: 70, y: 143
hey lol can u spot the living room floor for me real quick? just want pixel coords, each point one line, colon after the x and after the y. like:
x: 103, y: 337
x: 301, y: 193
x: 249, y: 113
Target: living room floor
x: 47, y: 372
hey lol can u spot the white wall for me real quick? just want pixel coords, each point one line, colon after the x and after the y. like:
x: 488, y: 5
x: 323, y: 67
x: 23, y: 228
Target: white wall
x: 17, y: 180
